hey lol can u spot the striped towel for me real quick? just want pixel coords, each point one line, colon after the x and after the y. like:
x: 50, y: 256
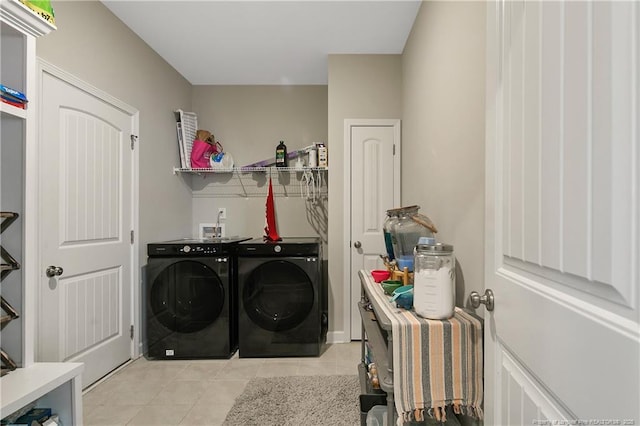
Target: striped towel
x: 436, y: 363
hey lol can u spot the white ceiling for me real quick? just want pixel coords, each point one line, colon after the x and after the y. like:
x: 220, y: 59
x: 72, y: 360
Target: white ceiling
x: 265, y: 42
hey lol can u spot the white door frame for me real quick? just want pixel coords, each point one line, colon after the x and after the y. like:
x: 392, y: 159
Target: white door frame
x: 346, y: 235
x: 32, y: 231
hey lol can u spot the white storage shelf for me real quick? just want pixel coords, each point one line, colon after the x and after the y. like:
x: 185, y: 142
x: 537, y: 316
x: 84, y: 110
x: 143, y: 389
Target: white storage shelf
x: 51, y: 385
x: 309, y: 182
x: 13, y: 111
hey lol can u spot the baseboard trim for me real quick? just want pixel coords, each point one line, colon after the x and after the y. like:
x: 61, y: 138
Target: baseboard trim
x: 337, y: 337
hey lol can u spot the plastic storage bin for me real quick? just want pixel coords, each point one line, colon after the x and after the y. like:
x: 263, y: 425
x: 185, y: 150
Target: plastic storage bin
x: 377, y: 416
x: 367, y: 402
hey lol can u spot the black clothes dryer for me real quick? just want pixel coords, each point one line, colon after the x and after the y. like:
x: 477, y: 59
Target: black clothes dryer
x: 282, y: 308
x: 190, y: 299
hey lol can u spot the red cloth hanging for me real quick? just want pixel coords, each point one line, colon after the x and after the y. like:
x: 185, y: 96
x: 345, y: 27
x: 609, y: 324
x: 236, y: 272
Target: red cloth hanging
x: 270, y: 229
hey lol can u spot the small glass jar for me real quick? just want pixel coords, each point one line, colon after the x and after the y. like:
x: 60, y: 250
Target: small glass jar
x: 434, y: 281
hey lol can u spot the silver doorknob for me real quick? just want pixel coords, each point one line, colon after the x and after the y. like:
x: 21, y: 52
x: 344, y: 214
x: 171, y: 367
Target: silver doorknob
x: 54, y: 271
x: 357, y: 244
x: 487, y: 300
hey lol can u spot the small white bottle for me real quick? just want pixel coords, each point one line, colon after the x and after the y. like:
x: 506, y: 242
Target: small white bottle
x: 313, y: 157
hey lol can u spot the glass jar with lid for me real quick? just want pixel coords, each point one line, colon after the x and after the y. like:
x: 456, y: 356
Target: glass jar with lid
x: 407, y: 231
x: 434, y: 281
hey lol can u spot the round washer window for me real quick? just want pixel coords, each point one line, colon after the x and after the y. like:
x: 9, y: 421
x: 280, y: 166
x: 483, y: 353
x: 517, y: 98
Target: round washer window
x: 187, y: 296
x: 278, y: 295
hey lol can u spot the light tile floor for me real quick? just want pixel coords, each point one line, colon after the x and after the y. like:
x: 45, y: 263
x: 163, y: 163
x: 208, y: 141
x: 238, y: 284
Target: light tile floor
x: 197, y: 392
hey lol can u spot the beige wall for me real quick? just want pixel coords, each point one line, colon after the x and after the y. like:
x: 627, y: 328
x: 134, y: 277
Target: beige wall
x: 250, y: 121
x: 436, y: 87
x: 360, y: 86
x: 443, y: 129
x: 95, y: 46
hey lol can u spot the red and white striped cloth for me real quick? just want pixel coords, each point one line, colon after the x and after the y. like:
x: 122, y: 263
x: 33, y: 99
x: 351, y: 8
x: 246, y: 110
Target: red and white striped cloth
x: 436, y: 363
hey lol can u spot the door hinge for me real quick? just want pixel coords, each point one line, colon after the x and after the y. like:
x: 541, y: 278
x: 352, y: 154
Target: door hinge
x: 394, y: 149
x: 134, y: 138
x: 132, y: 236
x: 131, y: 332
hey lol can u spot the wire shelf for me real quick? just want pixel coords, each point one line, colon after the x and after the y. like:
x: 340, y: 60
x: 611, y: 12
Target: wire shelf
x: 309, y: 182
x: 247, y: 170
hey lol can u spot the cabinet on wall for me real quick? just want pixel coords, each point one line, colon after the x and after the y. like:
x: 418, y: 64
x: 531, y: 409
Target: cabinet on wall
x: 53, y: 385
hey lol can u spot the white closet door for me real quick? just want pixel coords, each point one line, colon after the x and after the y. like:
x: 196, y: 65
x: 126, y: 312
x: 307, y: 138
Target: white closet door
x: 375, y: 188
x: 85, y: 224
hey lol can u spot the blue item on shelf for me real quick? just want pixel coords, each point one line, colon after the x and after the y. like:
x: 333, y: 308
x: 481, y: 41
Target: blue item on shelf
x: 38, y: 415
x: 403, y: 296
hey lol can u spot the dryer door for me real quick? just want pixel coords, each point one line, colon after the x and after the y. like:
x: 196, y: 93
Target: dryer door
x: 278, y: 295
x: 186, y: 296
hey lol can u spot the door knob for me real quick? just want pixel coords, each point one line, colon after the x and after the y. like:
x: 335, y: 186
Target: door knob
x: 357, y: 244
x: 54, y: 271
x: 487, y: 299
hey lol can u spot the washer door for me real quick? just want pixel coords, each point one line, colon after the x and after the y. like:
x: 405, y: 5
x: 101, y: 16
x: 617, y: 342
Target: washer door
x: 278, y: 295
x: 187, y: 296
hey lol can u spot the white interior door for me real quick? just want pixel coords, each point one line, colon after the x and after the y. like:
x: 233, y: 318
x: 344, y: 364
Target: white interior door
x: 374, y: 189
x: 563, y: 206
x: 85, y: 223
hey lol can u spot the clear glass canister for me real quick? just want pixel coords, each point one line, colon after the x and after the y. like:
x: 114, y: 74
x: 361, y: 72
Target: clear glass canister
x: 387, y: 226
x: 408, y: 230
x: 434, y: 281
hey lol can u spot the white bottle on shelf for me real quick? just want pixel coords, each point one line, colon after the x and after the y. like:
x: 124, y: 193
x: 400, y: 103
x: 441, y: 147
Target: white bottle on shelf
x: 313, y: 157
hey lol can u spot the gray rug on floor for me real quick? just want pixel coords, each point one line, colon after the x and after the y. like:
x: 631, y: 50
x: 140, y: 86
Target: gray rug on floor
x: 297, y: 400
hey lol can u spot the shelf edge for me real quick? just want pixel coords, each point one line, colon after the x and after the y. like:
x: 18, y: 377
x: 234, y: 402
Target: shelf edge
x: 379, y: 348
x: 24, y: 385
x: 13, y: 111
x: 22, y: 18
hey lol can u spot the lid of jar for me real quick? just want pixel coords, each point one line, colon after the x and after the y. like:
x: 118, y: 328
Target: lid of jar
x: 399, y: 210
x: 408, y: 211
x: 435, y: 248
x: 426, y: 240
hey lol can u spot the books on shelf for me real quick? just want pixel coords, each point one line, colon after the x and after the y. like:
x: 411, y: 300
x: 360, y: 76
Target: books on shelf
x: 13, y: 97
x: 15, y: 104
x: 41, y: 8
x: 33, y: 417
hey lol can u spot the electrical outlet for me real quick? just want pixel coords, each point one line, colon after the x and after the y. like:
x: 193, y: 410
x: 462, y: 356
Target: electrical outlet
x: 222, y: 213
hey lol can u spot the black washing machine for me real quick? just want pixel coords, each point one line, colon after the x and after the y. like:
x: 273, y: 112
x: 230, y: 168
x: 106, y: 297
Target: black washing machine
x: 282, y: 306
x: 190, y: 299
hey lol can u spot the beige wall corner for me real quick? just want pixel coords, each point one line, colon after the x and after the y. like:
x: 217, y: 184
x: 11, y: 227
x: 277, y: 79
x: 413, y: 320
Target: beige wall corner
x: 360, y: 86
x: 443, y: 129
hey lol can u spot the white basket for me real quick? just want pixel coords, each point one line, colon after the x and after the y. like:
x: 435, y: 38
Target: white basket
x: 186, y: 124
